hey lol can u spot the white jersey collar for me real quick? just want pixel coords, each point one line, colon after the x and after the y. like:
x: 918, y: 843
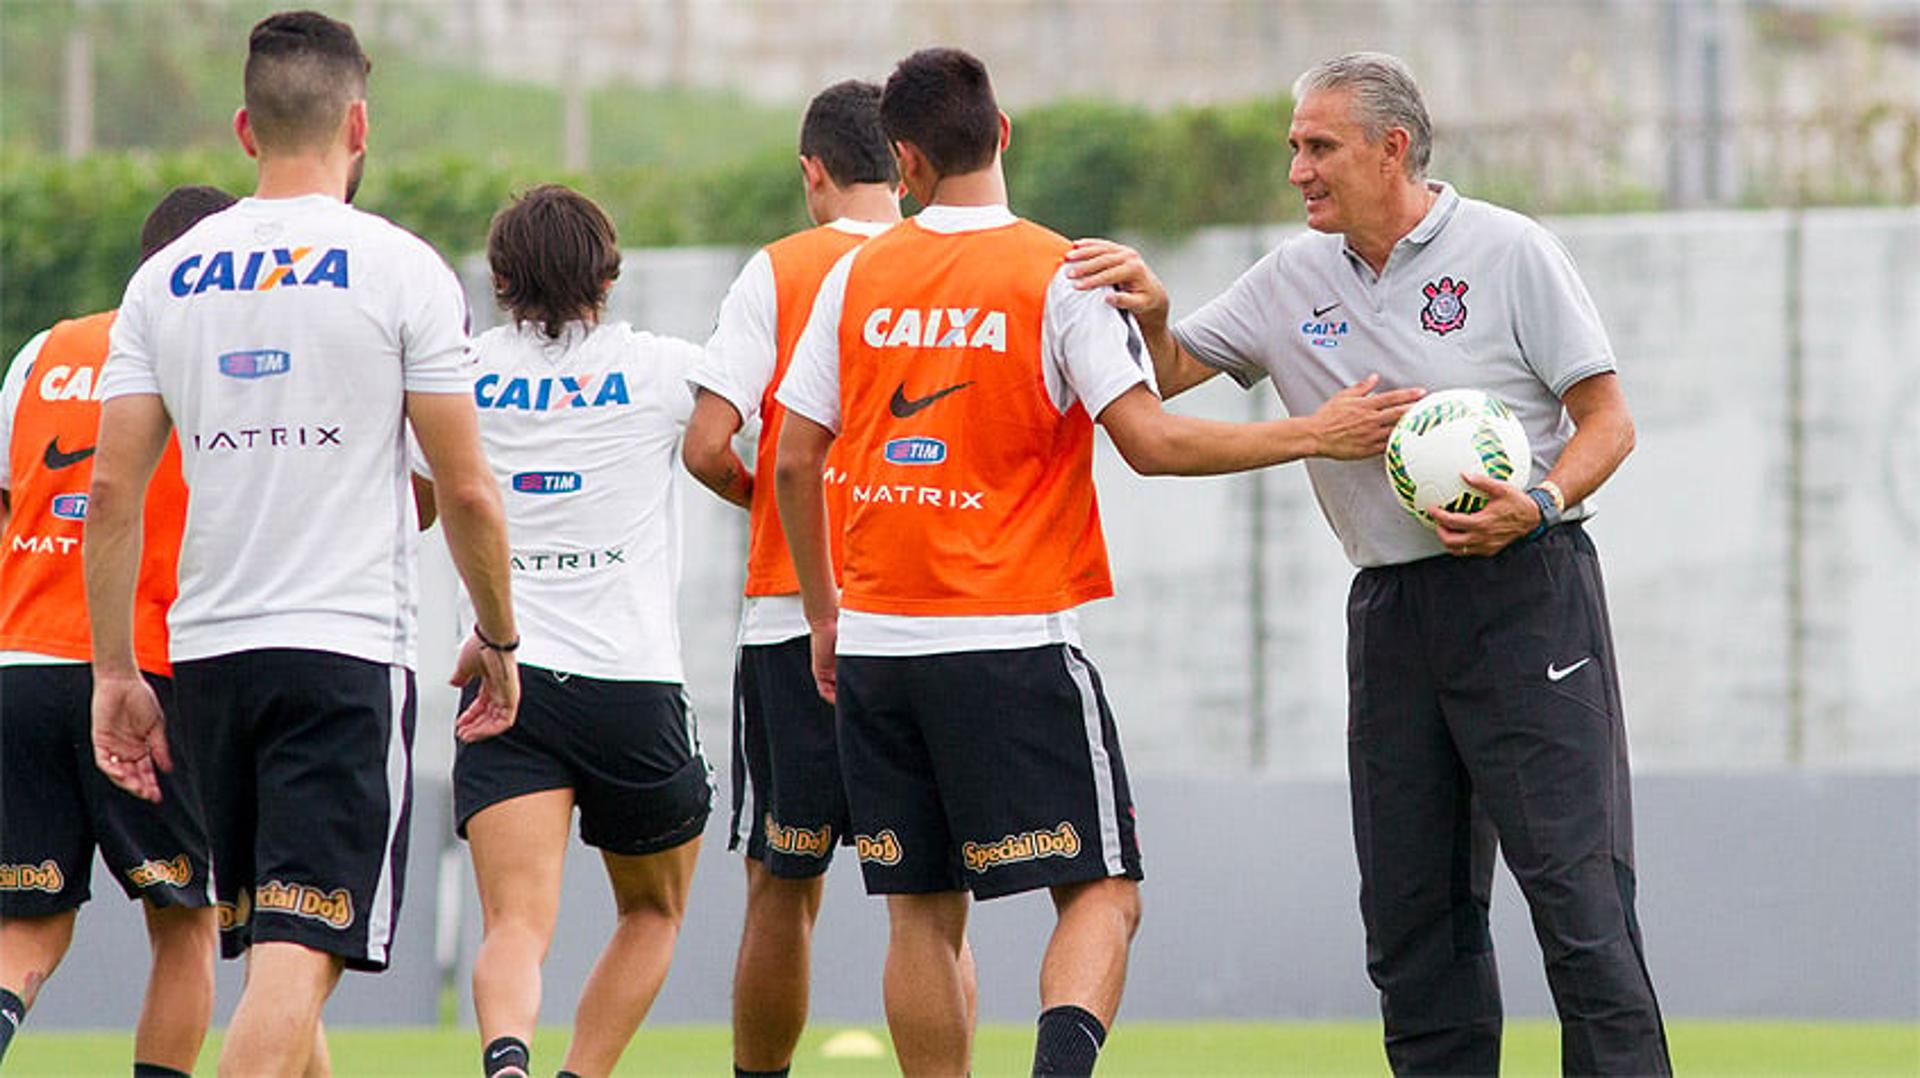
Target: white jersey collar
x: 939, y: 218
x: 859, y: 227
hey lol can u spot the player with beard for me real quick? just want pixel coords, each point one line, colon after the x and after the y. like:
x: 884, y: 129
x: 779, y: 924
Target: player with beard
x: 291, y: 341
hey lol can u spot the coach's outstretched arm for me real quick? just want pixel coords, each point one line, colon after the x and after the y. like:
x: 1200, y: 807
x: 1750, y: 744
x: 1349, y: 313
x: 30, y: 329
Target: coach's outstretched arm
x: 1352, y: 425
x: 801, y: 493
x: 469, y: 506
x: 1133, y: 287
x: 129, y: 729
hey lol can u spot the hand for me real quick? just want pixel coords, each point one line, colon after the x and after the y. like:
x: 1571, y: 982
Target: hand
x: 498, y: 702
x: 1105, y: 264
x: 825, y: 639
x: 1509, y: 514
x: 130, y: 734
x: 1354, y: 423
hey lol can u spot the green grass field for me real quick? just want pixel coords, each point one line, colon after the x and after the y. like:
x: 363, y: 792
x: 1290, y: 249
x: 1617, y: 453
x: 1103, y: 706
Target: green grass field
x: 1144, y: 1048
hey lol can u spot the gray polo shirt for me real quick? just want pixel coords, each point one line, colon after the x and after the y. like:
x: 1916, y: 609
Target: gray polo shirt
x: 1474, y: 297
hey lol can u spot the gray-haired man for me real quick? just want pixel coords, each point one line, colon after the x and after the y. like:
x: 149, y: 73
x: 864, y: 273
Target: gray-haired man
x: 1482, y: 696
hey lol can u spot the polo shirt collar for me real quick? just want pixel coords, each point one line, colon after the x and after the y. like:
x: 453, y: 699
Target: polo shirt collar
x: 1437, y: 215
x: 1436, y: 219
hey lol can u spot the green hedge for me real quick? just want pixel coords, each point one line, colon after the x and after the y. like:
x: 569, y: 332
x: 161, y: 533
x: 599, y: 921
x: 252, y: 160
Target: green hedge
x: 69, y: 229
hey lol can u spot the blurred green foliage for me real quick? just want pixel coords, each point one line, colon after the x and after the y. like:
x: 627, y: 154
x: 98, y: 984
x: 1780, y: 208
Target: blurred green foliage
x: 69, y: 229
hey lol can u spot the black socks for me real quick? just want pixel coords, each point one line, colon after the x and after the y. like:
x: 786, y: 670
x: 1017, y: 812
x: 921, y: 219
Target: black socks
x: 155, y: 1070
x: 781, y: 1073
x: 1069, y: 1041
x: 503, y: 1053
x: 13, y: 1011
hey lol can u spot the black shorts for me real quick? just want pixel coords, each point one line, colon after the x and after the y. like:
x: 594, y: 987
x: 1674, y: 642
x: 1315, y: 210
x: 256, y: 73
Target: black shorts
x: 305, y: 761
x: 56, y: 806
x: 991, y: 771
x: 629, y: 751
x: 785, y: 749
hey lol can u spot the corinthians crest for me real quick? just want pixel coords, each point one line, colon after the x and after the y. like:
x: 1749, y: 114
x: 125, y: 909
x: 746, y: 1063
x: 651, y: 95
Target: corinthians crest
x: 1445, y: 310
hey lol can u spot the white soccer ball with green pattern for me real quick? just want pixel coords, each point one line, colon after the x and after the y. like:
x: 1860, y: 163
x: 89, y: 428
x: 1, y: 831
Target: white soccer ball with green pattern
x: 1446, y: 434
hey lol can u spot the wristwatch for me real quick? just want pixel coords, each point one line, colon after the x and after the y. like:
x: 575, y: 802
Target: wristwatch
x: 1544, y: 497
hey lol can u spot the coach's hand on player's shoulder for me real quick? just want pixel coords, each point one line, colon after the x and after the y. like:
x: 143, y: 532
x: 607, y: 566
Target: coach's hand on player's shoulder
x: 1508, y: 515
x: 498, y: 701
x: 1354, y: 423
x: 130, y: 734
x: 1097, y: 263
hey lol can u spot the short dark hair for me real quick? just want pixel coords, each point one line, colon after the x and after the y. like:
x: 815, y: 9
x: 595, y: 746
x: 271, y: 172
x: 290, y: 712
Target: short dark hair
x: 181, y: 209
x: 842, y: 131
x: 552, y: 251
x: 303, y: 70
x: 941, y: 101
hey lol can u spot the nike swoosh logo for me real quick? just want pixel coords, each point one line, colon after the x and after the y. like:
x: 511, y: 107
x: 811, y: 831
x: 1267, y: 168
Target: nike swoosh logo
x: 56, y: 459
x: 11, y: 1020
x: 498, y: 1053
x: 903, y: 406
x: 1318, y: 311
x: 1555, y: 673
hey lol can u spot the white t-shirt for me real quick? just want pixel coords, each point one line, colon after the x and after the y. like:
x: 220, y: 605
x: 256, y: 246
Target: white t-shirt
x: 282, y: 335
x: 739, y: 362
x: 11, y: 391
x: 1092, y: 354
x: 583, y: 435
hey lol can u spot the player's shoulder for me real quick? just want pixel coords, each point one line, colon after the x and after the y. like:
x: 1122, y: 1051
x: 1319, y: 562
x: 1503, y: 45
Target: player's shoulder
x: 807, y: 239
x: 394, y: 240
x: 1039, y: 236
x: 97, y: 322
x: 644, y: 346
x: 491, y: 342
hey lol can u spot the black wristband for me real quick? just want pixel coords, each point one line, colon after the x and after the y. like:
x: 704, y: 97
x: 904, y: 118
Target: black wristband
x: 1549, y: 512
x: 512, y: 645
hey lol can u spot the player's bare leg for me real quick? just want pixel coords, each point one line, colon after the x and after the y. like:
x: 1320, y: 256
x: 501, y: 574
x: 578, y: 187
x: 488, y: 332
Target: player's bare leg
x: 1086, y: 961
x: 970, y: 984
x: 650, y: 897
x: 30, y: 949
x: 772, y: 974
x: 179, y: 1001
x: 1084, y: 972
x: 519, y: 849
x: 273, y: 1028
x: 929, y: 1007
x: 320, y: 1063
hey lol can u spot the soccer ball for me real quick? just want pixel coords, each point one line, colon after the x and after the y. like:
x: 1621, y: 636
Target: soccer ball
x: 1445, y: 434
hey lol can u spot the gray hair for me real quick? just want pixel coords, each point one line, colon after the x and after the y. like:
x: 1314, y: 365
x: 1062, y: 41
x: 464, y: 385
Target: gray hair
x: 1384, y: 97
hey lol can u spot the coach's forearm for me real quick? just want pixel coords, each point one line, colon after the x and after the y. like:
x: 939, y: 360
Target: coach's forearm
x: 1603, y: 436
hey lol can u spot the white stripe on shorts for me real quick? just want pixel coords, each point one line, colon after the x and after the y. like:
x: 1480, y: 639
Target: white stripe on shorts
x: 1102, y: 764
x: 380, y: 917
x: 693, y: 743
x: 742, y: 819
